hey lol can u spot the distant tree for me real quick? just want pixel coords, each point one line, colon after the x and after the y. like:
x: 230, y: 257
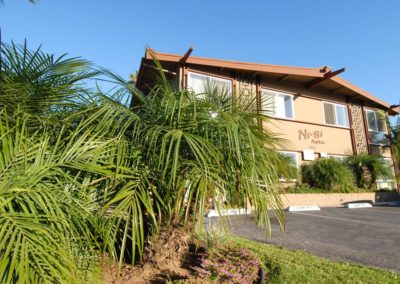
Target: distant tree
x: 394, y: 138
x: 133, y: 77
x: 367, y: 168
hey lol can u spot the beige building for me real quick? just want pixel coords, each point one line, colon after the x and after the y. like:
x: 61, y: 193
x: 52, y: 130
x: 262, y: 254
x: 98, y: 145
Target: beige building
x: 319, y: 113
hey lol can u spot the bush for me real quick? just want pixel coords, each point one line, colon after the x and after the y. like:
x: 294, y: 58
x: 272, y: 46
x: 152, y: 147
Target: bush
x: 367, y: 169
x: 214, y: 237
x: 327, y: 174
x: 229, y: 264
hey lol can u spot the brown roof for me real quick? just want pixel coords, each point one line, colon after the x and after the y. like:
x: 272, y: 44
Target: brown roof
x: 313, y: 73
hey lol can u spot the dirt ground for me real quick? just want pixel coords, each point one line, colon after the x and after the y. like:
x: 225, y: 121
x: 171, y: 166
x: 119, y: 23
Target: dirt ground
x: 166, y: 259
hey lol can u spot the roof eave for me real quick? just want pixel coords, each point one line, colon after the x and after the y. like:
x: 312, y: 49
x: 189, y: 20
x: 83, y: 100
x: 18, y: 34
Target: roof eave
x: 245, y: 66
x: 278, y: 69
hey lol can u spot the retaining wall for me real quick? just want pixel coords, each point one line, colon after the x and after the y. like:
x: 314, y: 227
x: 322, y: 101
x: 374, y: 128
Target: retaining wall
x: 336, y: 199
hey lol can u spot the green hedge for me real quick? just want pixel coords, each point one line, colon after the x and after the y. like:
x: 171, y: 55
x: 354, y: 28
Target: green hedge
x: 328, y: 174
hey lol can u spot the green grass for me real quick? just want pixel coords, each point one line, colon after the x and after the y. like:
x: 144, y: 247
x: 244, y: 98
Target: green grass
x: 287, y: 266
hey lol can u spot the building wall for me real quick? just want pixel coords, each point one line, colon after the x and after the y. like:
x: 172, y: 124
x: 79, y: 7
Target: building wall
x: 308, y: 129
x: 301, y: 136
x: 360, y: 137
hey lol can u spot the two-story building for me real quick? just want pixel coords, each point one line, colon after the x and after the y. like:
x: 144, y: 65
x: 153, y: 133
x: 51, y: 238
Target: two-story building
x: 320, y: 113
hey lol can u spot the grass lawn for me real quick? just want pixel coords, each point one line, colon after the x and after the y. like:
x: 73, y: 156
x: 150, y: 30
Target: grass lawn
x: 287, y: 266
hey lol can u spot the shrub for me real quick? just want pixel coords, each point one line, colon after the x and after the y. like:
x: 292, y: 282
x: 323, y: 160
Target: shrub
x: 229, y: 264
x: 214, y: 237
x: 367, y: 169
x: 327, y: 174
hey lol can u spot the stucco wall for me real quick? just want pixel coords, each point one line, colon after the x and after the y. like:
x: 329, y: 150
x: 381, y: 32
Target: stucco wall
x: 336, y: 199
x: 308, y: 110
x: 308, y: 114
x: 332, y: 140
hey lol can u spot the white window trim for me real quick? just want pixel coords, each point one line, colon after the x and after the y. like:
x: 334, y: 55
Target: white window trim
x: 217, y: 78
x: 371, y: 130
x: 278, y: 92
x: 366, y: 116
x: 334, y: 109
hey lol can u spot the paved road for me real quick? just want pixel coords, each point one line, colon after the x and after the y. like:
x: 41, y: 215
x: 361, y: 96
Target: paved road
x: 369, y: 236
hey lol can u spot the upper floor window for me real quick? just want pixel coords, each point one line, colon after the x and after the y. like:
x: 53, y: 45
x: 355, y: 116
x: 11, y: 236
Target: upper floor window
x: 200, y: 84
x: 376, y: 126
x: 277, y: 104
x: 336, y: 114
x: 376, y: 121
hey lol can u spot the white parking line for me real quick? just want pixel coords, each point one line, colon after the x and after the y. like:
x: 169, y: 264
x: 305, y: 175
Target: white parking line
x: 390, y: 212
x: 329, y: 217
x: 342, y: 219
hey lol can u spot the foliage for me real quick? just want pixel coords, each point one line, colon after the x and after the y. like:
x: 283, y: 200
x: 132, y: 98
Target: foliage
x: 367, y: 169
x: 214, y: 237
x: 61, y: 198
x: 287, y: 266
x: 394, y: 139
x: 229, y: 264
x: 327, y: 174
x: 208, y: 147
x: 47, y: 87
x: 83, y: 174
x: 44, y: 220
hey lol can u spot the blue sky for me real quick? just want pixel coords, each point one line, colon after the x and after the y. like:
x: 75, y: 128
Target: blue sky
x: 363, y: 36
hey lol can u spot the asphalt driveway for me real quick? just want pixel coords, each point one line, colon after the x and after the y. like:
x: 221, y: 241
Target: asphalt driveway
x: 369, y: 236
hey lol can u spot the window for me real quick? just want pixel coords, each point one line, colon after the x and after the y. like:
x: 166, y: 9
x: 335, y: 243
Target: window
x: 336, y: 114
x: 337, y: 157
x: 292, y: 156
x: 277, y: 104
x: 385, y: 182
x: 201, y: 84
x: 376, y: 127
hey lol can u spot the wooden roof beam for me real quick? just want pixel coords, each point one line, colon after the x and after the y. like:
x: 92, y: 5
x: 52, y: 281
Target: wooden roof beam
x: 338, y: 90
x: 319, y: 80
x: 183, y: 60
x: 284, y: 77
x: 394, y: 109
x: 155, y: 68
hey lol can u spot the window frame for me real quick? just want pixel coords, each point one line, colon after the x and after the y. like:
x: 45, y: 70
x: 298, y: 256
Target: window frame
x: 335, y: 114
x: 216, y: 77
x: 366, y: 110
x: 296, y: 155
x: 278, y: 93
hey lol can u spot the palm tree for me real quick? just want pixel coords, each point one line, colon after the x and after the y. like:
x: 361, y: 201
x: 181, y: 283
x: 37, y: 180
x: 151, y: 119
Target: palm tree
x: 40, y: 84
x: 111, y: 174
x: 394, y: 140
x: 367, y: 168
